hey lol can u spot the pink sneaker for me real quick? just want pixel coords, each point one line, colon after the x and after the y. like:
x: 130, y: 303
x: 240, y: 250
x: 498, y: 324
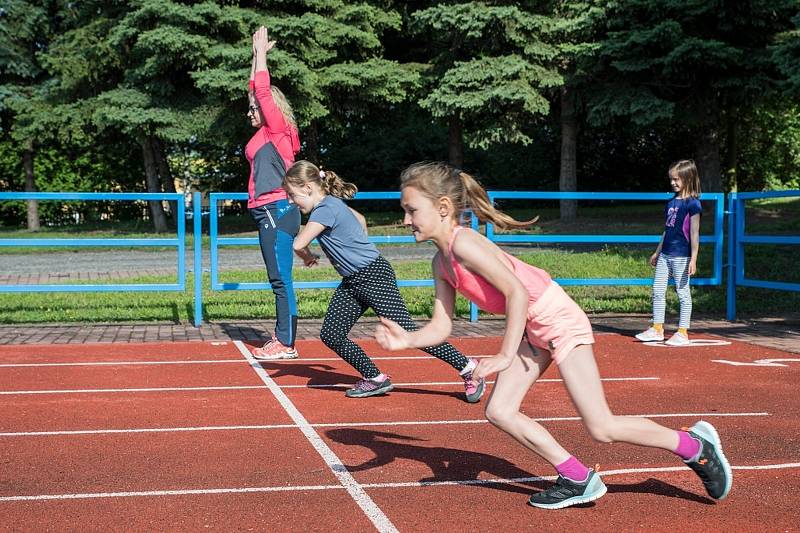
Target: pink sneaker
x: 274, y: 350
x: 473, y: 388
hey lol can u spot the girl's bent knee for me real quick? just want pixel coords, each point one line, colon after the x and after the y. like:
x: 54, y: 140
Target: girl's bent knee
x: 602, y: 433
x: 499, y: 417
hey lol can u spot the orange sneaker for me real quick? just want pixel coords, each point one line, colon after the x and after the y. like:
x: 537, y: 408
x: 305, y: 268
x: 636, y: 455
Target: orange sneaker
x: 274, y: 350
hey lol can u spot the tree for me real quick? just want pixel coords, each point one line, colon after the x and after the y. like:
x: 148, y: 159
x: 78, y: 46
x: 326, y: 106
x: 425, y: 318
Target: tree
x: 694, y: 62
x: 24, y: 30
x: 487, y: 70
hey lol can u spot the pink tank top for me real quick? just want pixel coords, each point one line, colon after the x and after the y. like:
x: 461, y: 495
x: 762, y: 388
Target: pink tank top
x: 476, y: 289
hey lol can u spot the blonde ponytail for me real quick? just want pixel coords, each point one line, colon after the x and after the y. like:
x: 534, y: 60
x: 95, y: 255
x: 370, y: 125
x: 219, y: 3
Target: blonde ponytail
x: 438, y: 180
x: 303, y: 172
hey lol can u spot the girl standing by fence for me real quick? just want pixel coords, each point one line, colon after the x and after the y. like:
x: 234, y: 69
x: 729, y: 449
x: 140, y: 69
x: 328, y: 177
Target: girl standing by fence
x: 676, y: 254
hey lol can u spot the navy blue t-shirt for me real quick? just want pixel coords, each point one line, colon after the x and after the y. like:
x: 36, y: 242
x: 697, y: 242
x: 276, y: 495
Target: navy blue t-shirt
x: 677, y: 226
x: 343, y: 240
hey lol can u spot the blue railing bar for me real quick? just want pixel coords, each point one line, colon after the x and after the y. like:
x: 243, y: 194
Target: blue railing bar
x: 213, y: 244
x: 181, y: 229
x: 314, y: 284
x: 586, y: 238
x: 521, y: 195
x: 92, y: 288
x: 251, y: 241
x: 91, y: 196
x: 763, y: 239
x: 90, y: 242
x: 214, y: 196
x: 769, y: 194
x: 779, y: 285
x: 627, y: 281
x: 198, y: 258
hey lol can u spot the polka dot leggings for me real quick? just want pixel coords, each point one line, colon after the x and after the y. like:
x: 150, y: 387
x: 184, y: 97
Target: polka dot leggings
x: 373, y: 286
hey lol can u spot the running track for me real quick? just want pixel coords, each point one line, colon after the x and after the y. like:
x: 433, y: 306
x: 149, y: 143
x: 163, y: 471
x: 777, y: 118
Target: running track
x: 198, y: 436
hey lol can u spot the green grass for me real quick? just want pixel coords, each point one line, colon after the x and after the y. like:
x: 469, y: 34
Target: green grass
x: 178, y: 307
x: 771, y: 217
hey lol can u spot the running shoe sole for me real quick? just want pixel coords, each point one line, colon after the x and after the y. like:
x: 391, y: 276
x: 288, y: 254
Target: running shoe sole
x: 708, y: 432
x: 359, y: 394
x: 594, y: 491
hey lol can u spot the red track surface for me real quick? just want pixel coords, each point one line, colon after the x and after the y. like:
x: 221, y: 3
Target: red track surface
x: 188, y: 436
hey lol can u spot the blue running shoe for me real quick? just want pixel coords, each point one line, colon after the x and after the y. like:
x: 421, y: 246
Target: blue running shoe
x: 711, y: 464
x: 566, y: 492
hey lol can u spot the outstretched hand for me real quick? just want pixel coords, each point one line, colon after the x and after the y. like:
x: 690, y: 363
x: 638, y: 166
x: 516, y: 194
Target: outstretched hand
x: 488, y: 366
x: 390, y: 335
x: 261, y: 40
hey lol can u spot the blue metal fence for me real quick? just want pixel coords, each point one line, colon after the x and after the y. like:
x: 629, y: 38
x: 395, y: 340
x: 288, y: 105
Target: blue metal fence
x: 216, y: 242
x: 179, y: 242
x: 715, y: 238
x: 737, y: 238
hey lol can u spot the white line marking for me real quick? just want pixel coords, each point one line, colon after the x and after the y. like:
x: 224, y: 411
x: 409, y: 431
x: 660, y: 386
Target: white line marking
x: 240, y: 490
x: 239, y: 387
x: 356, y: 491
x: 123, y: 363
x: 212, y: 361
x: 759, y: 362
x: 693, y: 343
x: 154, y: 389
x: 423, y: 383
x: 343, y: 425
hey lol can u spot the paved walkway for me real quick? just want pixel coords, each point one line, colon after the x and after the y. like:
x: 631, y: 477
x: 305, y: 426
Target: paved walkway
x: 780, y: 333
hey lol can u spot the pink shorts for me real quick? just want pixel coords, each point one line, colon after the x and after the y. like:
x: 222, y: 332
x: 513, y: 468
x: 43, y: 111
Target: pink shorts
x: 557, y: 324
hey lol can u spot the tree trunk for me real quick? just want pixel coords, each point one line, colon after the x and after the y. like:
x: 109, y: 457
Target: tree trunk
x: 568, y: 176
x: 30, y: 186
x: 153, y: 185
x: 164, y: 172
x: 708, y: 160
x: 732, y: 152
x: 312, y: 143
x: 455, y: 141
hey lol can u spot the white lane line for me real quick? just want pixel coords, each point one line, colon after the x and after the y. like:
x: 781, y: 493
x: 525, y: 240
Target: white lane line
x: 356, y: 491
x: 152, y: 389
x: 433, y: 383
x: 345, y: 425
x: 240, y: 490
x: 240, y: 387
x: 213, y: 361
x: 124, y: 363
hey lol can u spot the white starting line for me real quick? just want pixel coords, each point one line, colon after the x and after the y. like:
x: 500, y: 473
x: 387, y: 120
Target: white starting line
x: 407, y: 484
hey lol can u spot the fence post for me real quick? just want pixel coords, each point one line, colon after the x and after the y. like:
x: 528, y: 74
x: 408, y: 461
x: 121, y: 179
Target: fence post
x: 198, y: 258
x: 731, y: 280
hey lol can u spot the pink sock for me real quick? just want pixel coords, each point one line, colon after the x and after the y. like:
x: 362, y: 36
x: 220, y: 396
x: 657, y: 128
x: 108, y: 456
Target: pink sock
x: 687, y: 446
x: 573, y: 469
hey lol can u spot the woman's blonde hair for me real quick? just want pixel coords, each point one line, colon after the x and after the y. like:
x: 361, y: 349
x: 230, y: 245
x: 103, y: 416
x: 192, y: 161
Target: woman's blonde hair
x: 280, y: 101
x: 303, y: 172
x: 283, y: 105
x: 686, y: 170
x: 439, y: 180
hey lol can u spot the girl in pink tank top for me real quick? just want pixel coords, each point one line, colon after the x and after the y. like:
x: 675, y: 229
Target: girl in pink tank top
x: 543, y: 324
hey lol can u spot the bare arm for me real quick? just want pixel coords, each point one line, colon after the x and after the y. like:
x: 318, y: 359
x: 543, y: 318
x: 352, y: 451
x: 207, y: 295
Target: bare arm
x: 654, y: 257
x: 695, y: 243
